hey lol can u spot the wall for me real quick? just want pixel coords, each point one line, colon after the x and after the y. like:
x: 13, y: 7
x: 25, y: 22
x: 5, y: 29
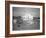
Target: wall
x: 2, y: 20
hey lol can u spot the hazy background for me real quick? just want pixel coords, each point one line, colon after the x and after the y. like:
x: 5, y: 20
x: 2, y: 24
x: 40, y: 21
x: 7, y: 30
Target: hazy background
x: 20, y: 11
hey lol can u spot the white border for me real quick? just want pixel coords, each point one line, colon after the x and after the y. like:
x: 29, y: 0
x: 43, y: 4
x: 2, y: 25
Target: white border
x: 27, y: 31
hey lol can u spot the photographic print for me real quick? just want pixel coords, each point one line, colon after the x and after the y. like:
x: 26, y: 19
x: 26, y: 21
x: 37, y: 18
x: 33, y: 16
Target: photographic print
x: 25, y: 19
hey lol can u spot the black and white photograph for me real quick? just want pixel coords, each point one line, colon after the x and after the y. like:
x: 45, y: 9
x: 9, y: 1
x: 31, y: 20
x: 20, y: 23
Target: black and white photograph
x: 25, y: 18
